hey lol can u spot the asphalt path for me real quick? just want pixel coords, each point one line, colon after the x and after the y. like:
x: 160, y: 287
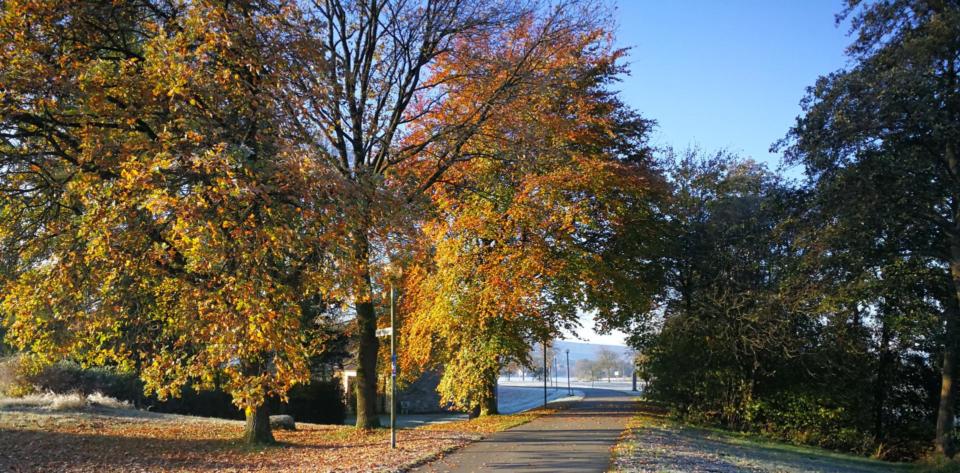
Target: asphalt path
x: 578, y: 438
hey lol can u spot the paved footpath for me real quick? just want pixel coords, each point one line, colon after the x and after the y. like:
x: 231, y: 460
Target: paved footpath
x: 578, y: 438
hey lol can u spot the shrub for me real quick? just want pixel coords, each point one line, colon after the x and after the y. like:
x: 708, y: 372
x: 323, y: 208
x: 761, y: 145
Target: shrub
x: 67, y: 402
x: 203, y: 403
x: 28, y: 400
x: 68, y: 377
x: 62, y: 402
x: 101, y: 400
x: 8, y: 375
x: 320, y: 402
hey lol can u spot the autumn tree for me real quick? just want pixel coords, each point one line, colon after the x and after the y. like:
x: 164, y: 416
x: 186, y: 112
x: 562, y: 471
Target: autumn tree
x: 368, y: 87
x: 517, y: 236
x: 153, y: 216
x: 887, y: 129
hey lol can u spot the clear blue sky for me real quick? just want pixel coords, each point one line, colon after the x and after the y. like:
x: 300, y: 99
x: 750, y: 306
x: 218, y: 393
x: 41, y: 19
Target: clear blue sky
x: 724, y: 74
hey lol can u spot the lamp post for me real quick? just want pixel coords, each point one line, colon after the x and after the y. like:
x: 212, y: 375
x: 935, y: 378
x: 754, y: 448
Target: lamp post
x: 544, y: 373
x: 569, y: 391
x: 393, y: 368
x: 555, y: 371
x: 392, y: 333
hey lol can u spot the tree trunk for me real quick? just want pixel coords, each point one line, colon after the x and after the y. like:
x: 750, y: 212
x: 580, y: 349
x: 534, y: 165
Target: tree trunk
x: 488, y: 404
x: 367, y: 344
x: 367, y: 348
x: 257, y: 430
x: 880, y: 387
x: 944, y: 443
x: 944, y: 440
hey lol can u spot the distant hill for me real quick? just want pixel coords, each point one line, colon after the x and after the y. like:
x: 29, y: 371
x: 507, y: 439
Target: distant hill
x: 580, y: 350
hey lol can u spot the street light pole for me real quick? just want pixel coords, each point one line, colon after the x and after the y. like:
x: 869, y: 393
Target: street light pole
x: 393, y: 368
x: 569, y: 391
x: 555, y: 371
x: 544, y: 373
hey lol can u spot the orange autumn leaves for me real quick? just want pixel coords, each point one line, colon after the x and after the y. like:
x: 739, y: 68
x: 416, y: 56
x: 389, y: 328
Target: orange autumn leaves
x: 506, y: 259
x: 148, y: 230
x: 172, y: 196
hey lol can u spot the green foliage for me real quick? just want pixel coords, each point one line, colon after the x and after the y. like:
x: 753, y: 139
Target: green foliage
x: 764, y: 330
x: 724, y: 325
x: 882, y: 228
x: 825, y: 314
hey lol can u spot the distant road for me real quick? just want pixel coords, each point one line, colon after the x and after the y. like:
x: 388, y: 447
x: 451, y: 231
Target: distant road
x: 513, y: 399
x: 575, y: 439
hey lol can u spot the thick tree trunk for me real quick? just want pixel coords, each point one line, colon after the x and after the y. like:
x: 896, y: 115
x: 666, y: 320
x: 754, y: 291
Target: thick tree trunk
x: 488, y: 404
x: 367, y: 344
x: 880, y: 387
x: 257, y: 430
x: 367, y: 348
x: 944, y: 443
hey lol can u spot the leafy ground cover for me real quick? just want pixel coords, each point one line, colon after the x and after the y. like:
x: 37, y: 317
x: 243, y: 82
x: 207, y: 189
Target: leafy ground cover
x: 97, y: 439
x: 490, y: 424
x: 655, y: 443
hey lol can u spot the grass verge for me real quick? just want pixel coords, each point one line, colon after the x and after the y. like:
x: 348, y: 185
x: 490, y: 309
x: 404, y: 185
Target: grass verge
x: 655, y: 442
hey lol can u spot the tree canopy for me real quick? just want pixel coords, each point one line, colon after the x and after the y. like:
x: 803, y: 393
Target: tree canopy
x: 191, y: 191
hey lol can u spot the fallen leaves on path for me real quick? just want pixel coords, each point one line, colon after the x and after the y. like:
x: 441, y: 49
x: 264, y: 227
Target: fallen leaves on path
x: 490, y: 424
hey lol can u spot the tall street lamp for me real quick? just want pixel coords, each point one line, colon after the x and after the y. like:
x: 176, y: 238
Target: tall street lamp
x: 544, y: 372
x: 393, y: 367
x: 392, y: 333
x: 555, y: 371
